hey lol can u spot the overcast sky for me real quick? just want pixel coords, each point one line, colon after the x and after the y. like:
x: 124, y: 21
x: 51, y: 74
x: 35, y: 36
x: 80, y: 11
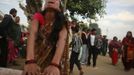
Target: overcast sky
x: 118, y: 20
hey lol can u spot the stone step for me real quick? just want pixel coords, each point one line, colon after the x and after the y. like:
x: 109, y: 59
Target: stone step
x: 7, y: 71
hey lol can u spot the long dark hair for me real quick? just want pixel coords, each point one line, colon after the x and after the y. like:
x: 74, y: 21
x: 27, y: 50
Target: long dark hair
x: 130, y: 34
x: 57, y: 26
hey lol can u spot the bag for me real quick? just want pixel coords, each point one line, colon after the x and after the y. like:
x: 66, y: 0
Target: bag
x: 114, y: 56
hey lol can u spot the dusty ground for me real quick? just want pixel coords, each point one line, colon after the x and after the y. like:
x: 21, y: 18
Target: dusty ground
x: 104, y: 68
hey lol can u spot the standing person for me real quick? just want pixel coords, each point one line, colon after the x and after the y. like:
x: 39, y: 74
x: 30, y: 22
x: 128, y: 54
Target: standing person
x: 128, y: 51
x: 114, y: 47
x: 17, y: 30
x: 92, y: 41
x: 76, y: 51
x: 105, y: 45
x: 70, y: 31
x: 71, y: 26
x: 84, y: 47
x: 114, y: 44
x: 47, y: 42
x: 5, y: 32
x: 14, y: 42
x: 120, y: 49
x: 99, y: 43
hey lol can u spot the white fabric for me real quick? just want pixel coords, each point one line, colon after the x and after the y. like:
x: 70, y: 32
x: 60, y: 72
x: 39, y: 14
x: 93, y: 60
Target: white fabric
x: 92, y: 40
x: 84, y: 56
x: 80, y: 54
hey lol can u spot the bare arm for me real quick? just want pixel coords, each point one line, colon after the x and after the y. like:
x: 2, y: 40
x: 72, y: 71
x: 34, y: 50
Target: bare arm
x: 31, y: 40
x: 31, y: 69
x: 60, y: 46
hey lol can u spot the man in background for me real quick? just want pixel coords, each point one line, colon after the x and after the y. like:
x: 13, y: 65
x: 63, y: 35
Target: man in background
x: 5, y: 26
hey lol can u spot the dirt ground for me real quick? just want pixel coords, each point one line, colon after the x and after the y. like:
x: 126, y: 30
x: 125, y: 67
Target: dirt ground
x: 104, y: 67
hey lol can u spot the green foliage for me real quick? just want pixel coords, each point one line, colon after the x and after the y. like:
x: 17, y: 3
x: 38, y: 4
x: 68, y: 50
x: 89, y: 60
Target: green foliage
x: 33, y: 6
x: 95, y: 25
x: 87, y: 8
x: 83, y: 26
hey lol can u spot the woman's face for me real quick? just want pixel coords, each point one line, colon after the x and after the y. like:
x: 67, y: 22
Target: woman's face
x: 50, y: 14
x: 17, y: 19
x: 129, y: 34
x: 115, y: 38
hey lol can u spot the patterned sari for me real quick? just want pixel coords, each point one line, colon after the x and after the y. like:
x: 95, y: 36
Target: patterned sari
x: 44, y: 50
x: 128, y: 48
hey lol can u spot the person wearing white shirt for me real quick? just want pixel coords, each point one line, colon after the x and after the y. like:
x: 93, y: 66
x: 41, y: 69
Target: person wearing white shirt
x: 92, y: 39
x: 92, y: 42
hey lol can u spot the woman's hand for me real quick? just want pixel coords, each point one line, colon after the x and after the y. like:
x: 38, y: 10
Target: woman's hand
x: 51, y: 70
x: 31, y: 69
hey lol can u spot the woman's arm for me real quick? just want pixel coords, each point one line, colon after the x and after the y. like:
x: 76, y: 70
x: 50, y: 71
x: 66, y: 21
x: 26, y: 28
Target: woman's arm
x: 31, y: 40
x: 60, y: 46
x: 31, y: 68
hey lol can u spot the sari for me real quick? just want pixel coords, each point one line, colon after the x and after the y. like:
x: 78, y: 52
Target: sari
x: 45, y: 50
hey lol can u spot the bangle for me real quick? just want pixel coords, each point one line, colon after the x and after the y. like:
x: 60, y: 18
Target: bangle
x: 30, y: 61
x: 56, y: 65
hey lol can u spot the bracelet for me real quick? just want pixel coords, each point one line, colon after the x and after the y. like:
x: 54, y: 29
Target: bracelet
x: 30, y: 61
x: 56, y: 65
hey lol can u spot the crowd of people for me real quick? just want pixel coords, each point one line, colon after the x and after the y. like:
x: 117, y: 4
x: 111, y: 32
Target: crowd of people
x: 50, y: 36
x: 11, y: 39
x: 94, y: 45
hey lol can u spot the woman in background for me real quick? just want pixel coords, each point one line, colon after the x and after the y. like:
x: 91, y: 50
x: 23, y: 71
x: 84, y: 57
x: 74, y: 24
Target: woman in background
x: 128, y: 51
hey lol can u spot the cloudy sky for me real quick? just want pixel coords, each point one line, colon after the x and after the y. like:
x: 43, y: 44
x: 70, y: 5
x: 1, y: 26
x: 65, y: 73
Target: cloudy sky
x: 118, y: 20
x: 6, y: 5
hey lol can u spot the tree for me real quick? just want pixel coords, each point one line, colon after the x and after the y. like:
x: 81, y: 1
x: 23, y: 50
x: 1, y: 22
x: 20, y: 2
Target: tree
x: 87, y: 8
x: 83, y: 26
x: 95, y: 25
x: 31, y: 7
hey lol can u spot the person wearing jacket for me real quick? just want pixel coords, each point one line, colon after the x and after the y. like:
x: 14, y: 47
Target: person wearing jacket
x: 92, y: 44
x: 5, y: 33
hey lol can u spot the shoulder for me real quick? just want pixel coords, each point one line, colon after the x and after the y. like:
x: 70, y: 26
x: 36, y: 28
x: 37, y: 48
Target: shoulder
x: 133, y: 39
x: 124, y: 38
x: 63, y: 32
x: 89, y: 36
x: 39, y: 17
x: 7, y: 16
